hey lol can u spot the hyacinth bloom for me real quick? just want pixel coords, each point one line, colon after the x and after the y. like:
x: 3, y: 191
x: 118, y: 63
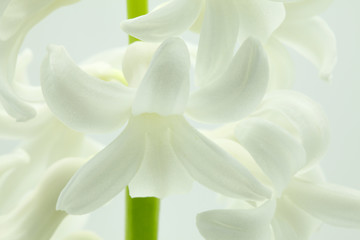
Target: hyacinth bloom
x: 45, y: 140
x: 36, y: 218
x: 17, y: 17
x: 271, y: 142
x: 154, y: 153
x: 223, y: 24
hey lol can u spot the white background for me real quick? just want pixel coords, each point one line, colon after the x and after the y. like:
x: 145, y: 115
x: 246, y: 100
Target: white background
x: 92, y: 25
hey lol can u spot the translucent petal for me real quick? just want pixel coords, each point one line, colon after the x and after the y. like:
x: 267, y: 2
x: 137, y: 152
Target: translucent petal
x: 217, y: 40
x: 18, y: 17
x: 243, y: 83
x: 291, y: 222
x: 90, y: 103
x: 10, y: 128
x: 235, y: 224
x: 164, y: 22
x: 84, y: 235
x: 305, y: 115
x: 333, y: 204
x: 281, y: 65
x: 165, y: 87
x: 106, y: 174
x: 278, y: 154
x: 313, y: 39
x: 137, y: 60
x: 296, y: 10
x: 213, y: 167
x: 161, y: 173
x: 259, y: 18
x: 36, y: 217
x: 12, y: 160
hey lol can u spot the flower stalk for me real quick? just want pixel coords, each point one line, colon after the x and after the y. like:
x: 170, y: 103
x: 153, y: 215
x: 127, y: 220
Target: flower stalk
x: 142, y: 214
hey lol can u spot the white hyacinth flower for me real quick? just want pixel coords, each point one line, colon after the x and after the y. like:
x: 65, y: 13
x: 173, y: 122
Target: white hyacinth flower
x: 17, y: 17
x: 223, y: 24
x: 281, y: 145
x: 44, y: 141
x: 36, y: 218
x: 154, y: 154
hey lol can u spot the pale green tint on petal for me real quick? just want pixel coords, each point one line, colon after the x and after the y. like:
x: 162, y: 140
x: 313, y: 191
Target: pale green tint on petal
x: 238, y: 91
x: 278, y: 154
x: 12, y: 160
x: 217, y: 40
x: 10, y: 128
x: 22, y: 85
x: 36, y: 218
x: 50, y: 144
x: 169, y: 20
x: 18, y: 17
x: 84, y: 235
x: 297, y: 10
x: 91, y: 104
x: 281, y: 65
x: 213, y: 167
x: 106, y: 174
x: 3, y: 5
x: 166, y: 85
x: 259, y: 18
x: 313, y: 39
x: 235, y: 224
x: 161, y: 173
x: 69, y: 225
x: 333, y: 204
x: 237, y: 151
x: 291, y: 222
x: 137, y: 60
x: 305, y: 115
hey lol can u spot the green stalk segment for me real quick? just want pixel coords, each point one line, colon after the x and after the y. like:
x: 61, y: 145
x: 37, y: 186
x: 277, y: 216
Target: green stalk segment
x: 142, y: 214
x: 142, y: 217
x: 136, y: 8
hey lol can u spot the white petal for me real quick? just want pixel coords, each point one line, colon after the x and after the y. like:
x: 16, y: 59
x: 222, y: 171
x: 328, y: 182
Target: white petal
x: 212, y: 166
x: 10, y: 128
x: 235, y: 224
x: 305, y: 115
x: 18, y: 17
x: 259, y: 18
x: 81, y: 101
x: 36, y: 217
x: 278, y: 154
x: 299, y: 9
x: 164, y: 22
x: 313, y: 39
x: 238, y: 91
x: 217, y: 40
x: 333, y: 204
x: 106, y: 174
x: 69, y: 225
x: 281, y: 65
x: 82, y: 236
x: 52, y: 143
x: 3, y: 5
x: 12, y: 160
x: 137, y: 60
x: 160, y: 174
x: 291, y: 222
x: 165, y: 87
x: 113, y: 57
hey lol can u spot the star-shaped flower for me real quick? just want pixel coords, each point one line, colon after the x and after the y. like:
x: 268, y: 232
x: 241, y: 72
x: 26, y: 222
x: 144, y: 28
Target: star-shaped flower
x: 272, y: 144
x: 158, y: 152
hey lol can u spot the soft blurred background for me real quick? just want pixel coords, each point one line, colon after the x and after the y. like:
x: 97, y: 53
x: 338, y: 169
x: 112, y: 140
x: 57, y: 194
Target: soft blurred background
x: 91, y: 26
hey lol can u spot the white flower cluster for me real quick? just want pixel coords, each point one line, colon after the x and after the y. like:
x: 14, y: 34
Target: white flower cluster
x: 262, y: 156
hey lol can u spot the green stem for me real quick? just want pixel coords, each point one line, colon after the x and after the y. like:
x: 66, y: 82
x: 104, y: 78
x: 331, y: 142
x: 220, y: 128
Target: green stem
x: 142, y: 214
x: 136, y: 8
x: 142, y: 217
